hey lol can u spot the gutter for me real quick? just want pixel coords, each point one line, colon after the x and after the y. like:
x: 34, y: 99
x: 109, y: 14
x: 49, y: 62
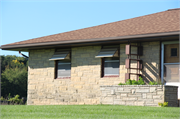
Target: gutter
x: 23, y: 55
x: 83, y: 41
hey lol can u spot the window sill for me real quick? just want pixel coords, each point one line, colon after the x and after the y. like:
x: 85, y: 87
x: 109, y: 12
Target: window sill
x: 64, y: 78
x: 110, y: 76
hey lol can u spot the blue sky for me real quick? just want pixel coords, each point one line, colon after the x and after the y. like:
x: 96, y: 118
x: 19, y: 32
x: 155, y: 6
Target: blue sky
x: 26, y: 19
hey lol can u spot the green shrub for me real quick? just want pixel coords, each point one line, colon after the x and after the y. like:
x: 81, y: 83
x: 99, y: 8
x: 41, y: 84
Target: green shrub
x: 121, y: 84
x: 2, y: 99
x: 9, y: 96
x: 20, y: 101
x: 141, y: 81
x: 165, y: 104
x: 129, y: 82
x: 133, y: 82
x: 15, y: 99
x: 153, y: 83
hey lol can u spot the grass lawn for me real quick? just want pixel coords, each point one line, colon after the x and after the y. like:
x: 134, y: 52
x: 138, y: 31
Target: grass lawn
x: 88, y: 112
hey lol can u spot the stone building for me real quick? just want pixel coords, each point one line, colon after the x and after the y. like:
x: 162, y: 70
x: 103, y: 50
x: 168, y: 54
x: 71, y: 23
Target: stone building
x: 70, y: 67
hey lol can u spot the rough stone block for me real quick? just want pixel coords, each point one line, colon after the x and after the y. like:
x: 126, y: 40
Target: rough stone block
x: 122, y: 103
x: 156, y: 96
x: 139, y: 103
x: 116, y: 102
x: 76, y: 79
x: 102, y: 89
x: 49, y: 97
x: 157, y: 101
x: 78, y: 86
x: 149, y: 100
x: 149, y: 96
x: 88, y: 101
x: 118, y: 97
x: 144, y: 96
x: 128, y: 99
x: 134, y: 95
x: 123, y: 95
x: 142, y: 90
x: 94, y: 101
x: 73, y: 100
x: 133, y: 91
x: 107, y: 99
x: 31, y: 87
x: 81, y: 103
x: 153, y: 89
x: 63, y: 88
x: 129, y: 102
x: 113, y: 92
x: 159, y: 89
x: 91, y: 96
x: 153, y: 105
x: 80, y: 74
x: 160, y: 92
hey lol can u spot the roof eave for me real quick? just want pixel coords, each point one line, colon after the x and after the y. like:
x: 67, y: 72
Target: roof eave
x: 69, y: 42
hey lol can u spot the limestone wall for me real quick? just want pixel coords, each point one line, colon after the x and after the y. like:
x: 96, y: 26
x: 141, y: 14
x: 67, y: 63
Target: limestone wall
x: 140, y: 95
x: 81, y: 88
x: 151, y: 61
x: 84, y: 85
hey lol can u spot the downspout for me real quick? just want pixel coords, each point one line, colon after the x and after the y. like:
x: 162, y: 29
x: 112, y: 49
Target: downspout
x: 23, y: 55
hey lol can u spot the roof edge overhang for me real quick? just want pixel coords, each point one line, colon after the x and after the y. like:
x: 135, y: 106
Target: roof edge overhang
x: 88, y: 41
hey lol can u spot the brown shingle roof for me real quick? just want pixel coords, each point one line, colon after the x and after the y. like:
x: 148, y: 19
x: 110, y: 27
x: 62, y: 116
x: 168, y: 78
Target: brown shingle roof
x: 166, y: 21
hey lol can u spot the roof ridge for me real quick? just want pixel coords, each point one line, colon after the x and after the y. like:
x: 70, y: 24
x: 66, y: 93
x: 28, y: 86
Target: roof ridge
x: 173, y: 9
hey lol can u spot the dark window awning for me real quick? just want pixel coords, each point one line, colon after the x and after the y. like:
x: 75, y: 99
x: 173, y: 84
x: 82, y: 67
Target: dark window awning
x: 61, y: 55
x: 108, y: 52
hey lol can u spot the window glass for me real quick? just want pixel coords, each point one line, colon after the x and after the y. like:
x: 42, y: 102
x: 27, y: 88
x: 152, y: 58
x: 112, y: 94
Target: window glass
x: 64, y: 68
x: 111, y: 66
x: 173, y: 51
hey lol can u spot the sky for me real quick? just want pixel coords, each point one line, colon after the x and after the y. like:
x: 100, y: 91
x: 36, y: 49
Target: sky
x: 26, y: 19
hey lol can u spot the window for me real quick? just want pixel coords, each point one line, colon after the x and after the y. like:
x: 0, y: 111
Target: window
x: 173, y: 51
x: 111, y: 66
x: 63, y: 69
x: 110, y: 61
x: 62, y: 58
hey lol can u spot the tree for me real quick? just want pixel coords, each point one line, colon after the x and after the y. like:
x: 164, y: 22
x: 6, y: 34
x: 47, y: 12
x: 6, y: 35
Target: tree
x: 7, y: 60
x: 13, y: 76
